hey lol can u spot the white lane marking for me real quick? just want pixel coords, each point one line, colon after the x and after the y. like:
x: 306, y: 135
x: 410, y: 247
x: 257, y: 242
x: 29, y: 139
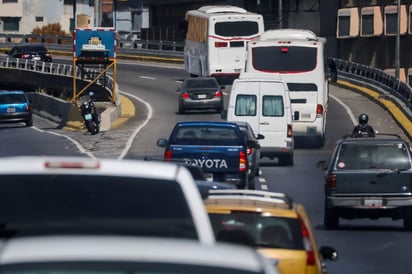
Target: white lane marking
x: 131, y: 138
x: 348, y: 110
x: 77, y: 144
x: 147, y: 77
x: 264, y: 187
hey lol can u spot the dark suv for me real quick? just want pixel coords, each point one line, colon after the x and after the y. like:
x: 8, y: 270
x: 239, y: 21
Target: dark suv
x: 32, y: 52
x: 368, y: 177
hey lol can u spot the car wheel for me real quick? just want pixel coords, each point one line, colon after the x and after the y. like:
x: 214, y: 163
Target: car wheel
x: 29, y: 122
x: 251, y: 183
x: 181, y: 110
x: 407, y: 221
x: 330, y: 218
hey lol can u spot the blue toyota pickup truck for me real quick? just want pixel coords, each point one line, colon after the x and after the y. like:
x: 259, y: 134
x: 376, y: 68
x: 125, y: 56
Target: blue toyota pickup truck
x: 217, y: 147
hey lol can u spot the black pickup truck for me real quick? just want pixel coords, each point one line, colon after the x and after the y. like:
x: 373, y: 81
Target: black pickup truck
x: 368, y: 177
x: 217, y: 147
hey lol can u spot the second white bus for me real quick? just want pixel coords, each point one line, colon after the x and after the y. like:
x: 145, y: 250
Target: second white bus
x: 299, y: 56
x: 216, y: 40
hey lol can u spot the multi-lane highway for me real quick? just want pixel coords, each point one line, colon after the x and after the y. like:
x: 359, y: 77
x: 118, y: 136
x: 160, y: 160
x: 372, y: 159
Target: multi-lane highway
x: 365, y: 246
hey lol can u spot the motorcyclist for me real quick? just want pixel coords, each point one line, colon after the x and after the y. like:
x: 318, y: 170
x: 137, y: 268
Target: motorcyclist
x: 363, y: 129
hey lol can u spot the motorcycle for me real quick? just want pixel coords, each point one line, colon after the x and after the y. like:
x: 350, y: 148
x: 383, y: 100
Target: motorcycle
x: 90, y: 116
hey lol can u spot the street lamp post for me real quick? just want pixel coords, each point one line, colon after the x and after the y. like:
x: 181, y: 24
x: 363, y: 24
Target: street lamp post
x: 397, y: 45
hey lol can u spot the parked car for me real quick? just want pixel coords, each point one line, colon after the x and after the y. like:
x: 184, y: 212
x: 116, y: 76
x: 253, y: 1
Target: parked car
x: 34, y: 52
x: 200, y: 93
x: 368, y: 177
x: 56, y: 194
x: 15, y: 107
x: 272, y: 223
x: 102, y: 254
x: 253, y: 152
x: 217, y: 147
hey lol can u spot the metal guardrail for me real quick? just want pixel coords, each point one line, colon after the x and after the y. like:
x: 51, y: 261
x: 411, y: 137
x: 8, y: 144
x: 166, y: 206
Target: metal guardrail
x: 87, y: 75
x: 377, y: 78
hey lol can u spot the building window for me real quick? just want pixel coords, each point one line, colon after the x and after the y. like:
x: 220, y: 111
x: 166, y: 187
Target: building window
x: 39, y: 19
x: 10, y: 1
x: 10, y: 23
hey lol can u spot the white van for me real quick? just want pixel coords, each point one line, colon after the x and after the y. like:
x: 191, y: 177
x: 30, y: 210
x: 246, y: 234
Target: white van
x: 263, y: 101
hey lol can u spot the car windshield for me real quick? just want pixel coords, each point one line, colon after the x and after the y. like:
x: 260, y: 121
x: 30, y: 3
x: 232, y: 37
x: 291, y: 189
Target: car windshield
x: 373, y: 156
x: 124, y: 267
x: 201, y: 83
x: 257, y: 229
x: 95, y: 202
x: 12, y: 98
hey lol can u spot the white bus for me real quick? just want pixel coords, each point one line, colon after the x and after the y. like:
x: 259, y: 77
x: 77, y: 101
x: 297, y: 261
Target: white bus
x: 299, y: 56
x: 216, y: 40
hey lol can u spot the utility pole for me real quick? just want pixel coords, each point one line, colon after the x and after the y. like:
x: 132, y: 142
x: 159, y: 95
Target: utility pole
x: 397, y: 45
x: 74, y: 15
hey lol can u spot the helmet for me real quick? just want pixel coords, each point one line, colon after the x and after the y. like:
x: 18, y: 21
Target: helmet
x: 363, y: 119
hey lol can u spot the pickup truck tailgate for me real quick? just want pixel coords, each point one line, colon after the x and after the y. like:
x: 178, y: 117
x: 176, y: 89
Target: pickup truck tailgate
x: 376, y: 182
x: 213, y: 159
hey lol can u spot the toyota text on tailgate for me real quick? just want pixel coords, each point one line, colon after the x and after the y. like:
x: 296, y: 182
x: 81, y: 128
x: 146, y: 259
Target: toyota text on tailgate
x: 217, y: 147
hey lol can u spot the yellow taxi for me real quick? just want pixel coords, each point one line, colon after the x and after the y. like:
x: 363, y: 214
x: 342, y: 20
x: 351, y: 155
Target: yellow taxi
x: 271, y: 222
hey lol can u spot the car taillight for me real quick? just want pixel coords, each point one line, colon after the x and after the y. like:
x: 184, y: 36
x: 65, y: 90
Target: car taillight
x: 242, y: 161
x: 48, y: 54
x: 220, y: 44
x: 331, y: 181
x: 310, y: 253
x: 319, y: 110
x: 218, y: 93
x: 28, y: 108
x: 249, y: 151
x: 185, y: 95
x: 289, y: 131
x: 168, y: 155
x: 25, y: 56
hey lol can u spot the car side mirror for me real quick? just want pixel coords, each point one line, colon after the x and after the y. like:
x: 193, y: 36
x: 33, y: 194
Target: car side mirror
x: 161, y: 143
x: 329, y: 253
x: 252, y: 144
x: 222, y: 87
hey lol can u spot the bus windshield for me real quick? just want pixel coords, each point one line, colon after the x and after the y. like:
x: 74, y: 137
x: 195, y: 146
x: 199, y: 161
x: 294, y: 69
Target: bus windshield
x: 237, y: 28
x: 284, y: 59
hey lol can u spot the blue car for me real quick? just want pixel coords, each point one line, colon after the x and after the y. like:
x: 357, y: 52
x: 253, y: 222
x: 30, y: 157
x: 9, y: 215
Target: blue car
x: 15, y: 107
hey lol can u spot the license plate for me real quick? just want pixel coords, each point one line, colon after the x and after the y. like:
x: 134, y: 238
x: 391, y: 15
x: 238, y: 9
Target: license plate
x: 201, y: 96
x: 88, y: 116
x: 209, y: 177
x: 11, y: 110
x: 373, y: 202
x: 36, y: 58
